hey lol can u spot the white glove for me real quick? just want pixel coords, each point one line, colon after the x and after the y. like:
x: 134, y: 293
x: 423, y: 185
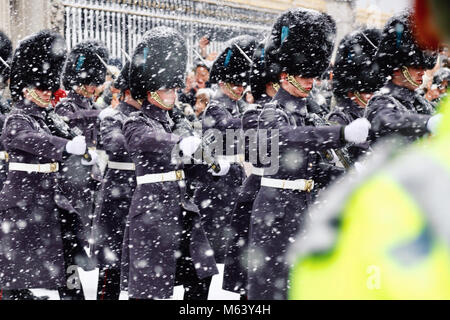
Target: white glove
x: 94, y: 157
x: 433, y: 123
x: 189, y: 145
x: 108, y: 112
x: 77, y: 146
x: 224, y: 169
x: 357, y: 131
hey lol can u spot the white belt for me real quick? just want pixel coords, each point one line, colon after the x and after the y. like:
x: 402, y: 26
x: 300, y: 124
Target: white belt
x: 39, y: 168
x: 238, y: 158
x: 122, y: 166
x: 161, y: 177
x: 4, y: 155
x: 258, y: 171
x: 300, y: 184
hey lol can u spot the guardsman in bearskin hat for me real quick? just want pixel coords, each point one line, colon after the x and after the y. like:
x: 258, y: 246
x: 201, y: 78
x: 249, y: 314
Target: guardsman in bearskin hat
x: 356, y: 78
x: 263, y: 89
x: 216, y: 193
x: 5, y: 55
x: 398, y: 108
x: 83, y: 72
x: 297, y: 51
x: 116, y: 191
x: 32, y: 208
x: 167, y: 243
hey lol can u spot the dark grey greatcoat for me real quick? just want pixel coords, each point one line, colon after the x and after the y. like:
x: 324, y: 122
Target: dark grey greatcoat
x: 31, y: 245
x: 345, y: 112
x: 116, y: 191
x: 78, y: 183
x: 167, y: 243
x: 236, y: 259
x: 278, y: 213
x: 398, y: 110
x: 4, y: 110
x: 216, y: 196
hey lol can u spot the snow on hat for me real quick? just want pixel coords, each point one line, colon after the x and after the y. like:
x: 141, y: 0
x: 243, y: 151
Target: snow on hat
x: 232, y: 66
x: 399, y: 48
x: 159, y: 62
x: 355, y: 69
x: 37, y: 63
x: 83, y: 66
x: 301, y: 43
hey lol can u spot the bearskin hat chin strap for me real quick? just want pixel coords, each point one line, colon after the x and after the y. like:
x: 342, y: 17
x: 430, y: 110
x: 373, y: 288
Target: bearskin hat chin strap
x: 296, y: 84
x: 276, y: 86
x: 360, y: 99
x: 408, y: 77
x: 86, y: 93
x: 155, y: 96
x: 230, y: 90
x: 36, y: 97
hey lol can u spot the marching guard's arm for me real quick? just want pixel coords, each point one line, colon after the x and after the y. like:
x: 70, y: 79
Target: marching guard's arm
x: 64, y: 109
x: 386, y: 118
x: 140, y: 136
x: 216, y: 118
x: 112, y: 137
x: 19, y: 134
x: 305, y: 137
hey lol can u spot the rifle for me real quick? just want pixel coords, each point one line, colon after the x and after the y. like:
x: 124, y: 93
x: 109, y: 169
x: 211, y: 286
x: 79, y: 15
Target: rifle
x: 63, y: 130
x: 342, y: 154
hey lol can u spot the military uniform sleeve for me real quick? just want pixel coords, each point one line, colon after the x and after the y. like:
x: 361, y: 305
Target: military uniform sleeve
x: 338, y: 117
x: 20, y: 134
x: 112, y: 137
x: 306, y: 137
x: 216, y: 118
x: 140, y: 136
x: 387, y: 118
x: 65, y: 109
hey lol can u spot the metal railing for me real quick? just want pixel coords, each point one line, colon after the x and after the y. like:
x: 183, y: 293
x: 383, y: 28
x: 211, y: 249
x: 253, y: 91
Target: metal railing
x: 120, y: 24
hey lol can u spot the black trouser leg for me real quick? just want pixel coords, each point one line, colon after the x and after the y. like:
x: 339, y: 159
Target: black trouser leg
x: 198, y: 290
x: 108, y: 284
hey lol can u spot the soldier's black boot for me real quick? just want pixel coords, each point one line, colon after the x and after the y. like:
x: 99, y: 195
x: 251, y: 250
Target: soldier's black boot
x: 198, y: 290
x: 108, y: 284
x: 24, y: 294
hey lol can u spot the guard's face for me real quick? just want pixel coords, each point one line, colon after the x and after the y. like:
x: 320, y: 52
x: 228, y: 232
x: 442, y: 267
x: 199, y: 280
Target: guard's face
x: 417, y: 74
x: 45, y: 97
x: 365, y: 97
x: 236, y: 91
x: 168, y: 97
x: 306, y: 83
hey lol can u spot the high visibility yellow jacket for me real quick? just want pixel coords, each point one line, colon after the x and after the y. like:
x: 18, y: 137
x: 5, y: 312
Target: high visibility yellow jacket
x: 389, y: 238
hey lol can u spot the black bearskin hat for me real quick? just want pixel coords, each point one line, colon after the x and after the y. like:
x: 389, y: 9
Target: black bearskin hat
x: 355, y: 69
x: 159, y: 62
x: 231, y: 65
x: 399, y: 48
x: 83, y: 67
x: 37, y: 63
x: 123, y: 80
x: 301, y: 43
x: 259, y: 75
x: 5, y: 54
